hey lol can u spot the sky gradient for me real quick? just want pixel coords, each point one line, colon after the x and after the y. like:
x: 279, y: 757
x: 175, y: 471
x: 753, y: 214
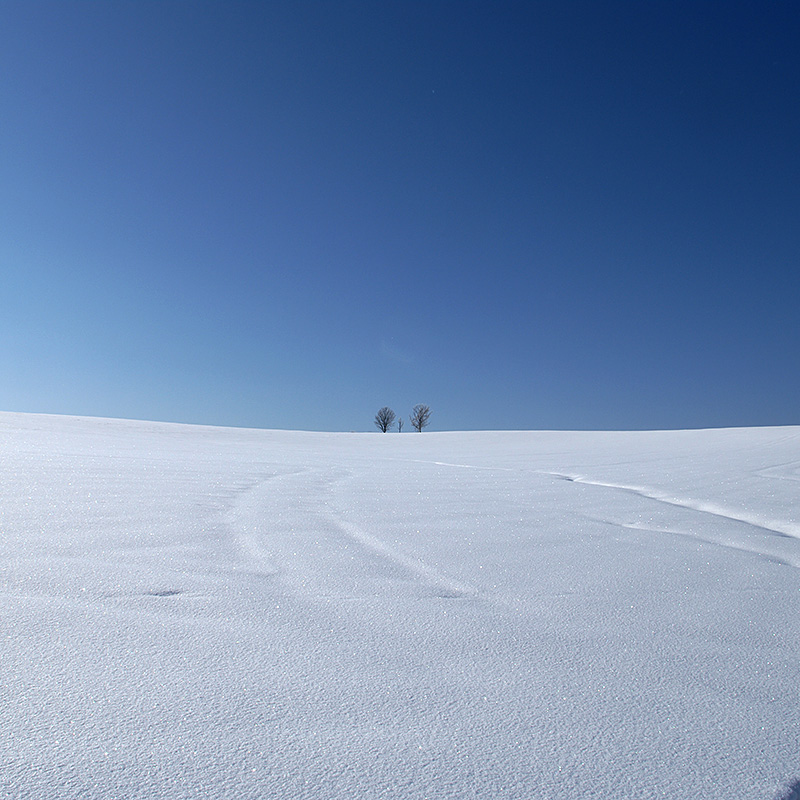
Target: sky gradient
x: 286, y: 215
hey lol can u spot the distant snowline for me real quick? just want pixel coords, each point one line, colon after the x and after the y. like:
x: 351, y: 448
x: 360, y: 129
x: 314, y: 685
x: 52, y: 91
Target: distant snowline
x: 773, y: 527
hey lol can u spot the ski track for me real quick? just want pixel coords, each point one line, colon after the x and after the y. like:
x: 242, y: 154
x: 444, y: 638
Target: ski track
x: 635, y: 526
x: 458, y: 466
x: 779, y: 528
x: 438, y: 583
x: 250, y: 522
x: 773, y: 474
x: 245, y: 523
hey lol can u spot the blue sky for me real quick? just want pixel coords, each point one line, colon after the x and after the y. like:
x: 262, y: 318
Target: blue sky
x: 526, y: 215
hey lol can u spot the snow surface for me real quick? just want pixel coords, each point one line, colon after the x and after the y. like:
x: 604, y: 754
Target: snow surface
x: 193, y: 612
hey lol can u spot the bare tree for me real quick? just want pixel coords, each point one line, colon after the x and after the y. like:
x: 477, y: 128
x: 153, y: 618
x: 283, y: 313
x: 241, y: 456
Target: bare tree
x: 384, y: 419
x: 420, y: 417
x: 399, y: 424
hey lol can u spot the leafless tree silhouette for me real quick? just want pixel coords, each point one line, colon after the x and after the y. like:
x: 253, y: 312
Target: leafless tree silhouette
x: 384, y: 419
x: 420, y: 417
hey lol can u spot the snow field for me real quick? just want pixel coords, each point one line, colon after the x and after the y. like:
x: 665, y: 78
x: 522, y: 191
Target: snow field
x: 198, y: 612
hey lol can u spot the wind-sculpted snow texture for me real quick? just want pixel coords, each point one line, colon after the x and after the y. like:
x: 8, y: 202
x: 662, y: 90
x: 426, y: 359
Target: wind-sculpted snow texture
x: 194, y: 612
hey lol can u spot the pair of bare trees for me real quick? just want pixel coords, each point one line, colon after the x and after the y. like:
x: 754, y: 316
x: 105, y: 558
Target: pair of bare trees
x: 419, y: 418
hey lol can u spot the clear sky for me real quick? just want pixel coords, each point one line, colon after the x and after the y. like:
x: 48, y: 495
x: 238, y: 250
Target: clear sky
x: 288, y: 214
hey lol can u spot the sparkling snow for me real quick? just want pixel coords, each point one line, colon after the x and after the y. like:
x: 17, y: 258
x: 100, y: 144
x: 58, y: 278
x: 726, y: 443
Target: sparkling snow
x: 193, y: 612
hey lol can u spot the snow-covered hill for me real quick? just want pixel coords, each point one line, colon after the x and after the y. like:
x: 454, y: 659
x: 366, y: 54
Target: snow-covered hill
x: 192, y: 612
